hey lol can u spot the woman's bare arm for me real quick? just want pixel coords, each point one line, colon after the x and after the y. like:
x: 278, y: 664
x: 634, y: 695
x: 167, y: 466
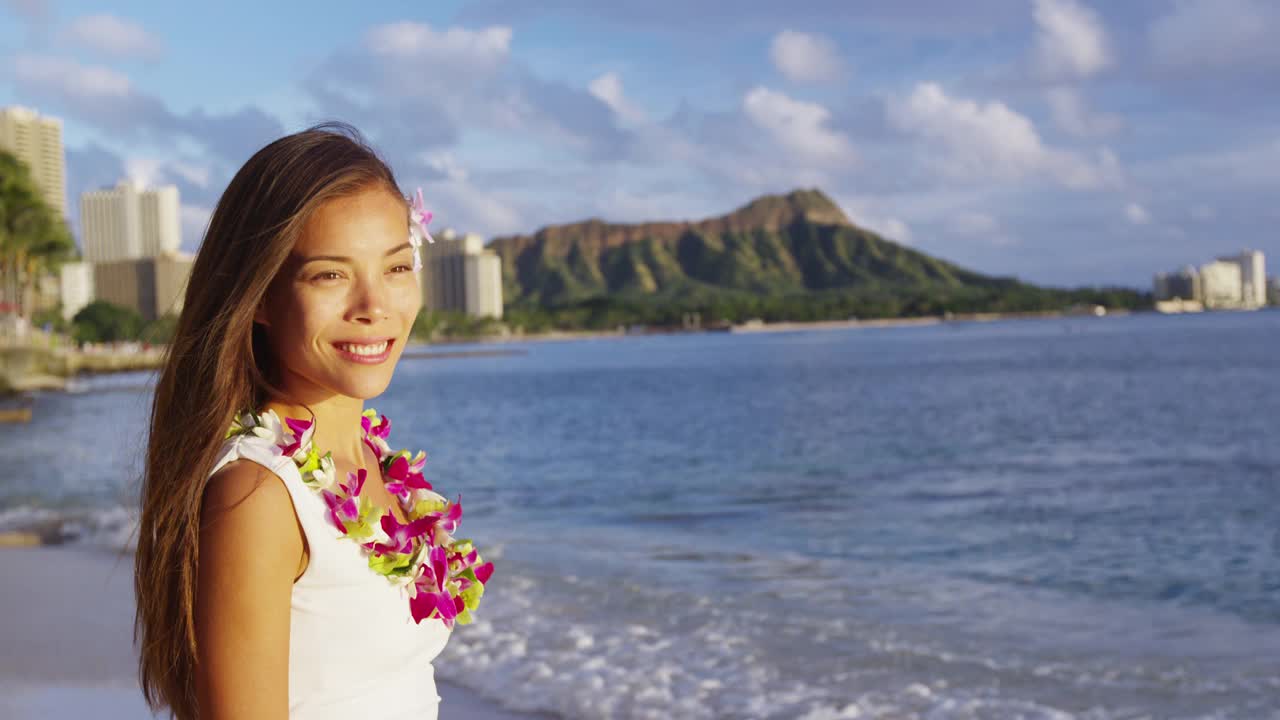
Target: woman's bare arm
x: 250, y: 550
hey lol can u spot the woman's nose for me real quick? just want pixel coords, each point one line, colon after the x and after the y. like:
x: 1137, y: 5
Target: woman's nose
x: 371, y: 302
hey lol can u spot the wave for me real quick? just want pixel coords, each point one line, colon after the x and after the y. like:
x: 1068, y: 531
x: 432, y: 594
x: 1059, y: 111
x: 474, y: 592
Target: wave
x: 616, y: 647
x: 113, y: 527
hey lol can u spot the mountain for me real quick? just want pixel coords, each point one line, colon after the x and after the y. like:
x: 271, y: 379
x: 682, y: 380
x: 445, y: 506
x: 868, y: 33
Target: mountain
x: 790, y: 244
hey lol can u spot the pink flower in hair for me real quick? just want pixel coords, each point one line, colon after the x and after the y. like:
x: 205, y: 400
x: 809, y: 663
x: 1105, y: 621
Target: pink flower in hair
x: 419, y: 216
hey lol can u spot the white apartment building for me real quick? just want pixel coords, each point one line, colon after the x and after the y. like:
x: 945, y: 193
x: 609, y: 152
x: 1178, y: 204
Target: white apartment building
x: 460, y: 274
x: 128, y: 222
x: 1253, y: 277
x: 37, y: 141
x: 1222, y: 284
x: 483, y: 284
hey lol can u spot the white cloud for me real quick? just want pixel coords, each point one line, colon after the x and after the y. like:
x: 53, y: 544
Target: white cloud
x: 419, y: 42
x: 67, y: 77
x: 1214, y: 34
x: 1071, y: 114
x: 1071, y: 41
x: 415, y: 87
x: 115, y: 36
x: 444, y: 163
x: 990, y: 140
x: 799, y: 126
x: 471, y: 209
x: 151, y: 172
x: 1136, y: 214
x: 870, y: 213
x: 805, y: 57
x: 896, y: 230
x: 144, y: 171
x: 608, y: 89
x: 192, y: 173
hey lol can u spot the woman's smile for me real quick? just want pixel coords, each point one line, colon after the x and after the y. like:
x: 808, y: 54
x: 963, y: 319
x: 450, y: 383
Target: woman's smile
x: 374, y: 353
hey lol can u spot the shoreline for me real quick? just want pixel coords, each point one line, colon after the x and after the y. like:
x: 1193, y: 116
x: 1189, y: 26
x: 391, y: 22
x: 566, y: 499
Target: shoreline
x: 68, y: 627
x: 54, y: 372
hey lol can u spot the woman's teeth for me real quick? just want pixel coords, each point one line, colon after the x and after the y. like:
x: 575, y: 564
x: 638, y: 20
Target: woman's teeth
x: 364, y: 349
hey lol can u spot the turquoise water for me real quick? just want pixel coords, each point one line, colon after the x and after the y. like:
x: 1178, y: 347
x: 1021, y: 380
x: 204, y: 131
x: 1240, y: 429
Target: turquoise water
x: 1052, y: 518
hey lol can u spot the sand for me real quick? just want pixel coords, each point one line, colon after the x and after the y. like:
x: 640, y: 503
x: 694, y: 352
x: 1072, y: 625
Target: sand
x: 66, y: 640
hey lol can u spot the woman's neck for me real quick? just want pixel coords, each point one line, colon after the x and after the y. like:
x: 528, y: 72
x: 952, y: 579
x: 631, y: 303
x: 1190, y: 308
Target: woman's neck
x: 337, y: 420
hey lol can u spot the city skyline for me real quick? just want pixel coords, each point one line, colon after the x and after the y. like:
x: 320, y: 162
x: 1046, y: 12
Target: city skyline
x: 1060, y: 141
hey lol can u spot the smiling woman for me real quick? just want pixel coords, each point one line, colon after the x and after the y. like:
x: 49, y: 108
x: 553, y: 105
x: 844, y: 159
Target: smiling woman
x: 263, y: 561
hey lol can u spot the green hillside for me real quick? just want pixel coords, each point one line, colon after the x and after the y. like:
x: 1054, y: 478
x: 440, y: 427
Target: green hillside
x: 794, y: 256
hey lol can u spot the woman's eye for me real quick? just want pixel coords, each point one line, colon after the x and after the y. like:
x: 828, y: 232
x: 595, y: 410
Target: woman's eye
x: 402, y: 268
x: 327, y: 275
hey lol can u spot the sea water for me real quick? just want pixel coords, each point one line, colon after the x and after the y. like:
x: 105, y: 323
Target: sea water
x: 1060, y: 518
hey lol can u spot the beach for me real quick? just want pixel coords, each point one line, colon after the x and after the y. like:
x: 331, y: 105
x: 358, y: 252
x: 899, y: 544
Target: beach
x: 68, y: 622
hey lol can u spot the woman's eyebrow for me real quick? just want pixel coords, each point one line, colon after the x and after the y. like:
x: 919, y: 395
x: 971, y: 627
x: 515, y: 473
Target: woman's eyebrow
x: 343, y: 258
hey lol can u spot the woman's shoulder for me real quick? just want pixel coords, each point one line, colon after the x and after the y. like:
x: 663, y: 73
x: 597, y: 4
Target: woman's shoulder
x: 243, y: 480
x: 249, y: 465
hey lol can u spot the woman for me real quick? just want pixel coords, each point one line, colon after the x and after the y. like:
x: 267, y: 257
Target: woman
x: 289, y: 564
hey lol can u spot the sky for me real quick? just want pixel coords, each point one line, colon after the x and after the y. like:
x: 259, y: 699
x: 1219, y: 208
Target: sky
x: 1066, y: 142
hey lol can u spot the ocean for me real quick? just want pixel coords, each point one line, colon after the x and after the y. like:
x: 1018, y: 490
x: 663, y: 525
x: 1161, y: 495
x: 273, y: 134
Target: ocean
x: 1058, y: 518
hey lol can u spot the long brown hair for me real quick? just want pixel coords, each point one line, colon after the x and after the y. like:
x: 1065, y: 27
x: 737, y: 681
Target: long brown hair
x: 218, y: 364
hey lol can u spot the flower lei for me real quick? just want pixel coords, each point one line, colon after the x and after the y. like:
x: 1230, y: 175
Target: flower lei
x: 419, y: 216
x: 445, y: 577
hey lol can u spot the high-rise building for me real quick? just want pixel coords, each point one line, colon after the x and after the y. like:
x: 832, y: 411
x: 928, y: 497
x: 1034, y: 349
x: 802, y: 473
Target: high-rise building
x: 160, y: 220
x: 128, y: 222
x: 460, y: 274
x: 1253, y: 277
x: 483, y: 273
x: 37, y: 141
x: 1222, y: 283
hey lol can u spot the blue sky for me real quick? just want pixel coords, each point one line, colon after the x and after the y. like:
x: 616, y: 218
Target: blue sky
x: 1067, y: 142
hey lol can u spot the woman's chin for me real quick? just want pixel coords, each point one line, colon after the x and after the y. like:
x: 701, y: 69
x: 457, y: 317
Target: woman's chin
x: 364, y: 390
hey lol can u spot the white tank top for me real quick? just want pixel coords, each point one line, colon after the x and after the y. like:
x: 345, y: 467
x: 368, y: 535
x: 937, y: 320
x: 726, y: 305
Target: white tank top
x: 354, y: 649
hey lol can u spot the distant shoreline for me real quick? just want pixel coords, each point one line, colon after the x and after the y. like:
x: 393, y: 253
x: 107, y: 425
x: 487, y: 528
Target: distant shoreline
x: 66, y: 364
x: 781, y: 326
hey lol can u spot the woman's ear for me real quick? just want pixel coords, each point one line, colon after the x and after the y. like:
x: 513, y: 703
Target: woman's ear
x: 260, y: 315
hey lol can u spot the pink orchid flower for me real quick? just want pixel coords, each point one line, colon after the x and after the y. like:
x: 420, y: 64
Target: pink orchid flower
x: 401, y: 536
x: 344, y: 510
x: 375, y: 435
x: 403, y: 476
x: 432, y: 595
x: 298, y: 437
x: 419, y: 216
x: 446, y: 523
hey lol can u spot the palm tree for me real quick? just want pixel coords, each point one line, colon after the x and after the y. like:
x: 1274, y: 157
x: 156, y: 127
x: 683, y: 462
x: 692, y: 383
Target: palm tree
x: 33, y: 239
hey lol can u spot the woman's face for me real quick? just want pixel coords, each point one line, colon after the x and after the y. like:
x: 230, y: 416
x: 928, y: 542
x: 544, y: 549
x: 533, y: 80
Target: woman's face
x: 339, y: 312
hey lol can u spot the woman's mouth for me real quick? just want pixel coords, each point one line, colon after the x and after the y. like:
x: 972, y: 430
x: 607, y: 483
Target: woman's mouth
x: 366, y: 352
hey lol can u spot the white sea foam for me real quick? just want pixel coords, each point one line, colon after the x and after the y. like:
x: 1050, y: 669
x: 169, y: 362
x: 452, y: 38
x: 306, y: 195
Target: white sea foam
x: 113, y: 527
x: 613, y: 648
